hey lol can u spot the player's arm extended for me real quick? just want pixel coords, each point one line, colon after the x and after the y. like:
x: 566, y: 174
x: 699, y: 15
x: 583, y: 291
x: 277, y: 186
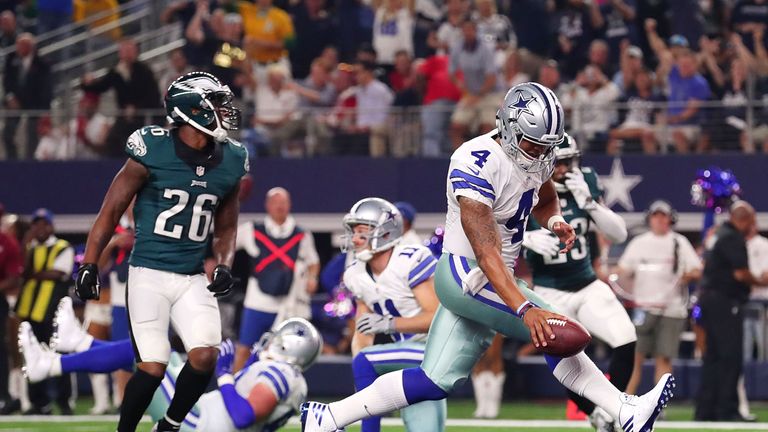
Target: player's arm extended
x: 124, y: 187
x: 225, y: 228
x: 548, y: 208
x: 244, y: 412
x: 360, y: 340
x: 425, y: 295
x: 608, y: 222
x: 482, y: 232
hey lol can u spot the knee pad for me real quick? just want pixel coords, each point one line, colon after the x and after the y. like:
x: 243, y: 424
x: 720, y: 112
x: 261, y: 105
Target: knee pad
x: 418, y: 386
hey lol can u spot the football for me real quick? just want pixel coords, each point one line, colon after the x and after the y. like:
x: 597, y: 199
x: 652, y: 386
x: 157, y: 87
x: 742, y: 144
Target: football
x: 570, y: 338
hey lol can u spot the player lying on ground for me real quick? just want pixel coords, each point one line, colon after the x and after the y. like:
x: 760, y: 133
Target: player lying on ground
x: 395, y: 294
x: 568, y: 281
x: 260, y: 398
x: 495, y: 181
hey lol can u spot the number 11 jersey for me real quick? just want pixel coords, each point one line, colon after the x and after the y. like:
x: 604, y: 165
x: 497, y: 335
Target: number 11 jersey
x: 482, y: 171
x: 174, y: 209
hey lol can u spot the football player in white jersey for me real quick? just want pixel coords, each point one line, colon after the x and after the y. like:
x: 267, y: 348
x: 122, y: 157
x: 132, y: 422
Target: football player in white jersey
x: 395, y: 293
x: 259, y: 398
x: 495, y: 181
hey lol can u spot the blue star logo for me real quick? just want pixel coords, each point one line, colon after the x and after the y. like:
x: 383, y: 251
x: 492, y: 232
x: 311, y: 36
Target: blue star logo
x: 521, y: 105
x: 300, y: 332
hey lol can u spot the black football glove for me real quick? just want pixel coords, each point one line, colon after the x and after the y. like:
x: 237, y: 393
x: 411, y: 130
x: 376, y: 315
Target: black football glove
x: 87, y: 285
x: 223, y: 282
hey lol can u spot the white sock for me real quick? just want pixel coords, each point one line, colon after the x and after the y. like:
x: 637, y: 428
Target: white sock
x: 580, y: 375
x: 495, y: 394
x: 117, y: 399
x: 26, y: 404
x: 741, y: 391
x: 385, y: 395
x: 55, y: 367
x: 100, y: 387
x: 14, y: 383
x: 480, y: 388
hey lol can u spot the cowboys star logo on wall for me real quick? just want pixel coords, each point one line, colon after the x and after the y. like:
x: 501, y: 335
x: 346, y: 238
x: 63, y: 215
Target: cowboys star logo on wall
x: 521, y: 105
x: 618, y: 186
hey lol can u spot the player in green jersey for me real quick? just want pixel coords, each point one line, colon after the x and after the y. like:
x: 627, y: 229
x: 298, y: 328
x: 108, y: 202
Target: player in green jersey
x: 568, y: 281
x: 183, y: 179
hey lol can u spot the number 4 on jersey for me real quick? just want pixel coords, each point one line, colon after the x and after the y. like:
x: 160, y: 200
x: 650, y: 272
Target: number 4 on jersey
x: 481, y: 157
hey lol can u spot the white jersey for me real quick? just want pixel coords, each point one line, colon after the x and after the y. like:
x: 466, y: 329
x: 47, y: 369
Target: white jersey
x: 285, y: 381
x: 482, y: 171
x: 390, y: 293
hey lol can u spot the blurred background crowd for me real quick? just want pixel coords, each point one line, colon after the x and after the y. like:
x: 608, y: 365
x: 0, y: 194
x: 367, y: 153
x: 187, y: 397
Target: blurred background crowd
x: 395, y: 78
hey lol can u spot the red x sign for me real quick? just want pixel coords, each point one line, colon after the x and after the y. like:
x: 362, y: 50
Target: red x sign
x: 276, y: 252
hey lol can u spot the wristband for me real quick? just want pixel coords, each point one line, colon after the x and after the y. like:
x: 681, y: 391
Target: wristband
x: 525, y: 307
x: 225, y: 379
x: 554, y: 219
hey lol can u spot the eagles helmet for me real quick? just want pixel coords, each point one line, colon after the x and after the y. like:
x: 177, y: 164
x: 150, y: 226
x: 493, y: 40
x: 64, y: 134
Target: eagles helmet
x: 385, y: 221
x: 200, y: 100
x: 295, y: 341
x: 568, y: 149
x: 532, y: 112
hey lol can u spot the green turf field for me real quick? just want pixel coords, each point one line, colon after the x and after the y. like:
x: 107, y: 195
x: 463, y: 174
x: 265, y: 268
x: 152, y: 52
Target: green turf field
x: 513, y: 417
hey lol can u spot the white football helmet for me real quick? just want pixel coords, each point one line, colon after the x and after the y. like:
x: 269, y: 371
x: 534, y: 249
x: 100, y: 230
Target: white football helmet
x: 532, y: 112
x: 385, y: 221
x: 295, y: 341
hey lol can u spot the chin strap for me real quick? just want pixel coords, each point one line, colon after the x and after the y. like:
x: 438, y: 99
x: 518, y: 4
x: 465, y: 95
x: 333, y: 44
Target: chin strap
x: 218, y: 134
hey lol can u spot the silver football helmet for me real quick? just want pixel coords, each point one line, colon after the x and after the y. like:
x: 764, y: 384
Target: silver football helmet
x: 385, y: 221
x: 532, y: 112
x: 295, y: 341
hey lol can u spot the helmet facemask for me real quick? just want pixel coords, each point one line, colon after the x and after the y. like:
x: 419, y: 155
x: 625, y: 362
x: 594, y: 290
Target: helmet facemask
x: 510, y: 143
x: 211, y: 113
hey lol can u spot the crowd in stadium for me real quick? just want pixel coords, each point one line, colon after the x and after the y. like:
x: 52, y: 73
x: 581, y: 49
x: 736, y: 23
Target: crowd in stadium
x: 415, y: 77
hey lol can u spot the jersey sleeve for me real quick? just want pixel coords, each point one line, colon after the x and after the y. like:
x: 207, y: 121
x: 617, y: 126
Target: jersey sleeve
x: 136, y: 147
x: 280, y: 378
x: 422, y: 266
x: 241, y: 153
x: 349, y: 280
x: 593, y: 181
x: 472, y: 174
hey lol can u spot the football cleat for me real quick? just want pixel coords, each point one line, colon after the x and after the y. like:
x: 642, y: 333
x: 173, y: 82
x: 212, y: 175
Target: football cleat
x: 68, y: 334
x: 638, y: 413
x: 602, y: 421
x: 317, y: 417
x: 38, y: 359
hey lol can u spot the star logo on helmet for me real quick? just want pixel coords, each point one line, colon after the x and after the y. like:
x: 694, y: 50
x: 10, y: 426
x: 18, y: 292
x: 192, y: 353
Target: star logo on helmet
x: 300, y: 332
x: 521, y: 105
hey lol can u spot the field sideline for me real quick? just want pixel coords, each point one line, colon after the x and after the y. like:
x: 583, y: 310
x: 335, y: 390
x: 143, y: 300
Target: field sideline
x: 515, y: 416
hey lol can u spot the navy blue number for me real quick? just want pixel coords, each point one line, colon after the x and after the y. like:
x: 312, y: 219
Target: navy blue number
x: 409, y: 251
x: 518, y: 220
x: 482, y: 157
x: 389, y: 305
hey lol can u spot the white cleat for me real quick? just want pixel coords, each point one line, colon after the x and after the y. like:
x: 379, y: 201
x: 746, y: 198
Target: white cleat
x: 68, y: 334
x: 38, y: 359
x: 602, y: 421
x: 638, y: 413
x: 316, y: 417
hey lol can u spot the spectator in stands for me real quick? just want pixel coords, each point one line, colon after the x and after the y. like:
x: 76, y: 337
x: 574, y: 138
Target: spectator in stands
x: 747, y: 16
x: 631, y: 63
x: 474, y: 72
x: 659, y: 263
x: 52, y: 14
x: 578, y: 22
x: 511, y: 72
x: 11, y: 268
x: 269, y: 34
x: 493, y: 28
x: 374, y: 100
x: 724, y: 291
x: 599, y: 56
x: 286, y: 262
x: 84, y: 9
x: 619, y: 25
x: 230, y: 63
x: 276, y: 111
x: 46, y: 281
x: 342, y: 119
x: 549, y: 76
x: 405, y: 124
x: 27, y: 85
x: 135, y: 88
x: 315, y: 30
x: 316, y: 94
x: 639, y: 116
x: 185, y: 11
x: 88, y: 132
x: 440, y: 98
x: 203, y: 33
x: 330, y: 56
x: 449, y: 31
x: 591, y: 103
x: 7, y: 29
x: 355, y: 20
x: 393, y: 30
x: 53, y: 141
x: 177, y: 66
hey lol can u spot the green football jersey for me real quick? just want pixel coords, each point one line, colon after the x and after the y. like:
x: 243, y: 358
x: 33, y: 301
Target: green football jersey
x: 174, y: 209
x: 571, y: 271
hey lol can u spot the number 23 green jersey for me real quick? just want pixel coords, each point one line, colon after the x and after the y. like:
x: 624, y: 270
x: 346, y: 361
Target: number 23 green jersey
x: 571, y: 271
x: 174, y: 209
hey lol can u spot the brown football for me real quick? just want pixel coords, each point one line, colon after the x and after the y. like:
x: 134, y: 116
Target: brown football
x: 570, y: 338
